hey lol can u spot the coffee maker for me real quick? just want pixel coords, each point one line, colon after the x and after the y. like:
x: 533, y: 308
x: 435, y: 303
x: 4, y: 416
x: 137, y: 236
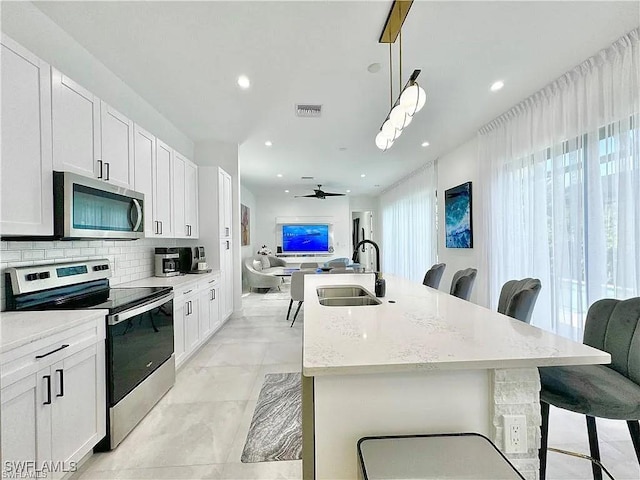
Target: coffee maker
x: 167, y: 260
x: 193, y: 260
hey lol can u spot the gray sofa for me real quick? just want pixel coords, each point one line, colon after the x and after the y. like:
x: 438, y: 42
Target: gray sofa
x: 259, y: 275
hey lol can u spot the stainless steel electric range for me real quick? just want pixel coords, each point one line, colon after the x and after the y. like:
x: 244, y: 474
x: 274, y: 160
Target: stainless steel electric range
x: 139, y: 345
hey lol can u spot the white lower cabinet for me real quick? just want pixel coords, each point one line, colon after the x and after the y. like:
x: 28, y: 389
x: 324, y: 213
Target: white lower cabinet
x: 196, y: 316
x: 53, y: 401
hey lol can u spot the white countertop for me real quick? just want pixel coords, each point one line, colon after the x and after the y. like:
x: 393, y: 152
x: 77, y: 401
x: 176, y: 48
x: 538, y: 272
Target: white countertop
x: 424, y: 330
x: 175, y: 281
x: 21, y: 328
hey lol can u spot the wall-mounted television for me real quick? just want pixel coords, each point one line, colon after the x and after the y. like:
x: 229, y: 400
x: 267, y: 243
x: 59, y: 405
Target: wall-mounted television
x: 306, y: 238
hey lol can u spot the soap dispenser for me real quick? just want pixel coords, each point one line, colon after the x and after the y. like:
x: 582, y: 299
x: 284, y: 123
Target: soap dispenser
x: 381, y: 285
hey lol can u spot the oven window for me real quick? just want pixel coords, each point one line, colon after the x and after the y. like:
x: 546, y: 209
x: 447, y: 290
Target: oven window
x: 136, y: 347
x: 99, y: 210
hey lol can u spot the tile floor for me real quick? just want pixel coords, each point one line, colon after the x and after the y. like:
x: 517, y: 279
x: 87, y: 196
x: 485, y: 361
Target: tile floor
x: 198, y: 430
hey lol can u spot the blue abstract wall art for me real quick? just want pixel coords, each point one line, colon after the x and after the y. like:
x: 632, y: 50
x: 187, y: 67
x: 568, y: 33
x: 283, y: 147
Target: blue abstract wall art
x: 457, y: 210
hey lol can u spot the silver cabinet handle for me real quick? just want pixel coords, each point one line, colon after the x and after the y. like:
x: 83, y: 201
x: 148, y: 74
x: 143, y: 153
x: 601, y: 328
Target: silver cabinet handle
x: 157, y: 227
x: 106, y: 169
x: 100, y: 168
x: 161, y: 229
x: 188, y: 291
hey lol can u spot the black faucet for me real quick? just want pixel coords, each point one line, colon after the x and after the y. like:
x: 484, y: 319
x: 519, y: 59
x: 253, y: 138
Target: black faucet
x: 380, y: 285
x: 354, y: 259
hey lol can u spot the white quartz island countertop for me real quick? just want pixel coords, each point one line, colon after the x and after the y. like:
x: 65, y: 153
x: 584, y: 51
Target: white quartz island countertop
x: 21, y: 328
x: 424, y: 329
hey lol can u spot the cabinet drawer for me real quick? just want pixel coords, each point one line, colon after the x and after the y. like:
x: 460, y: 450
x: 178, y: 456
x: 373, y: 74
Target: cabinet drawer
x: 185, y: 290
x: 210, y: 281
x: 28, y: 359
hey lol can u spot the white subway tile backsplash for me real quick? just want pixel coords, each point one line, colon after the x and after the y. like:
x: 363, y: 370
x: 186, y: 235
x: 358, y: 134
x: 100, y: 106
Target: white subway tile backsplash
x: 71, y: 252
x: 11, y: 255
x: 54, y: 253
x: 32, y: 254
x: 20, y: 245
x: 87, y: 251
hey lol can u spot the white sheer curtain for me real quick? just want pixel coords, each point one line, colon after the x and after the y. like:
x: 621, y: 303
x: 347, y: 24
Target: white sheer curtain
x: 562, y: 189
x: 409, y: 224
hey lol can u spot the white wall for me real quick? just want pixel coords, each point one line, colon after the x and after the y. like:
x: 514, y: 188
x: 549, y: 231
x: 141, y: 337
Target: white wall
x: 268, y: 208
x: 249, y: 200
x: 27, y: 25
x: 456, y: 167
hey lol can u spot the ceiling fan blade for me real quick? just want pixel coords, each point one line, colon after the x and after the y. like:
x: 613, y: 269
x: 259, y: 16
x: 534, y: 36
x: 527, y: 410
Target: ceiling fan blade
x: 306, y: 196
x: 327, y: 194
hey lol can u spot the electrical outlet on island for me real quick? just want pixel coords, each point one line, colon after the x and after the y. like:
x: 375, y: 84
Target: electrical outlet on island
x: 515, y: 433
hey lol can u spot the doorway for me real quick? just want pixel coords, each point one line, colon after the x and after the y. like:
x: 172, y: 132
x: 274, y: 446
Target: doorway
x: 362, y: 229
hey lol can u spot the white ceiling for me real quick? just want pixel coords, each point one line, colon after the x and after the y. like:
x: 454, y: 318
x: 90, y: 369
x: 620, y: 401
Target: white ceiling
x: 184, y: 59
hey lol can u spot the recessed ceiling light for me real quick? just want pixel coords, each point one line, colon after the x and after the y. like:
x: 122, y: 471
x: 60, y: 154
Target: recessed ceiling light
x: 425, y: 144
x: 348, y: 191
x: 244, y: 82
x: 497, y: 86
x: 286, y: 191
x: 363, y: 175
x: 268, y: 143
x: 279, y: 175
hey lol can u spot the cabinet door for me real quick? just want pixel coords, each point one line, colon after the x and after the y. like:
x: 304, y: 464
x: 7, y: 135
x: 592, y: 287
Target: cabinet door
x: 191, y: 199
x: 76, y: 127
x: 78, y: 409
x: 26, y: 421
x: 180, y: 226
x: 144, y: 158
x: 224, y: 203
x: 163, y: 190
x: 117, y: 147
x: 226, y: 280
x: 26, y: 191
x: 214, y: 308
x: 179, y: 314
x: 191, y: 324
x: 204, y: 300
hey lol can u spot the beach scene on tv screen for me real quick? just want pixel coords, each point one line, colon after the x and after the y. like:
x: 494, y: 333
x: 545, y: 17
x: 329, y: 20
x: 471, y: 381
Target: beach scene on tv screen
x: 305, y: 238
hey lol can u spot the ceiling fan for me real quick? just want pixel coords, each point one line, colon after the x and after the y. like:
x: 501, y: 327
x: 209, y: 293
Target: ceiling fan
x: 320, y: 194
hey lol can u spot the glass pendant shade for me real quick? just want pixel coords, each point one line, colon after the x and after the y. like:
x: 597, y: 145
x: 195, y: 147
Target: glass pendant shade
x: 413, y: 99
x: 389, y: 131
x: 399, y: 118
x: 382, y: 142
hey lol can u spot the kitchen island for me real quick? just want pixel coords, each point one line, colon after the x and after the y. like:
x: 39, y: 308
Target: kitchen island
x: 422, y: 361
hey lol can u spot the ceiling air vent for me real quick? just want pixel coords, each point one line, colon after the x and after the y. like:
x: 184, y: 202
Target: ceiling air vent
x: 307, y: 110
x: 306, y: 178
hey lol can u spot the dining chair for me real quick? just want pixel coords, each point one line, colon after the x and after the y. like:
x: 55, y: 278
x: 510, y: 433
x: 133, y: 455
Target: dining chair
x: 434, y: 275
x: 308, y: 265
x: 297, y: 291
x: 518, y: 297
x: 462, y: 283
x: 606, y: 391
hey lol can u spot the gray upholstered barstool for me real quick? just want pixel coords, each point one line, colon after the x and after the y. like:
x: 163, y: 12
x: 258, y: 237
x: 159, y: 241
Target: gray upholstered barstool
x: 518, y: 297
x: 462, y: 283
x: 434, y: 275
x: 297, y: 291
x: 606, y: 391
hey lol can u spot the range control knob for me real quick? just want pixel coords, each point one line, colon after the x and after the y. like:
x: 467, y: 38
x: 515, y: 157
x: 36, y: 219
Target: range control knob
x: 43, y: 275
x: 31, y: 276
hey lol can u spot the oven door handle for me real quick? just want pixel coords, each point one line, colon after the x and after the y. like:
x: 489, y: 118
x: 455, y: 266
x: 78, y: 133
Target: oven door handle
x: 120, y: 317
x: 138, y: 220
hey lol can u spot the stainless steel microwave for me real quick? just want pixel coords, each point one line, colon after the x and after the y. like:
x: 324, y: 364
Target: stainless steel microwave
x: 89, y: 208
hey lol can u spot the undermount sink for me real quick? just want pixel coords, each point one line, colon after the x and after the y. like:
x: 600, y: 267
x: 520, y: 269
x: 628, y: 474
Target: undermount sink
x: 345, y: 296
x: 349, y: 301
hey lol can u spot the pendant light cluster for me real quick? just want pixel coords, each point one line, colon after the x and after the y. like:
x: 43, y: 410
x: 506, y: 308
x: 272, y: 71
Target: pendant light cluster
x: 409, y: 102
x: 412, y: 97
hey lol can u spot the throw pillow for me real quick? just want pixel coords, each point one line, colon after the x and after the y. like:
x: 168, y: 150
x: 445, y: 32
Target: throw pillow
x: 265, y: 262
x: 257, y: 265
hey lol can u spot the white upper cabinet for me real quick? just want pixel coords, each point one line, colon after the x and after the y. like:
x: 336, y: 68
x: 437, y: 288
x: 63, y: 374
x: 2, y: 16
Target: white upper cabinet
x: 26, y: 169
x: 191, y: 199
x: 180, y: 225
x: 144, y: 153
x: 117, y: 147
x: 76, y: 127
x: 224, y: 203
x: 90, y: 137
x: 163, y: 190
x: 185, y: 197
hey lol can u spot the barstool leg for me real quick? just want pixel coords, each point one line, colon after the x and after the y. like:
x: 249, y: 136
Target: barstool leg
x: 634, y: 430
x: 544, y: 440
x: 593, y: 447
x: 289, y: 311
